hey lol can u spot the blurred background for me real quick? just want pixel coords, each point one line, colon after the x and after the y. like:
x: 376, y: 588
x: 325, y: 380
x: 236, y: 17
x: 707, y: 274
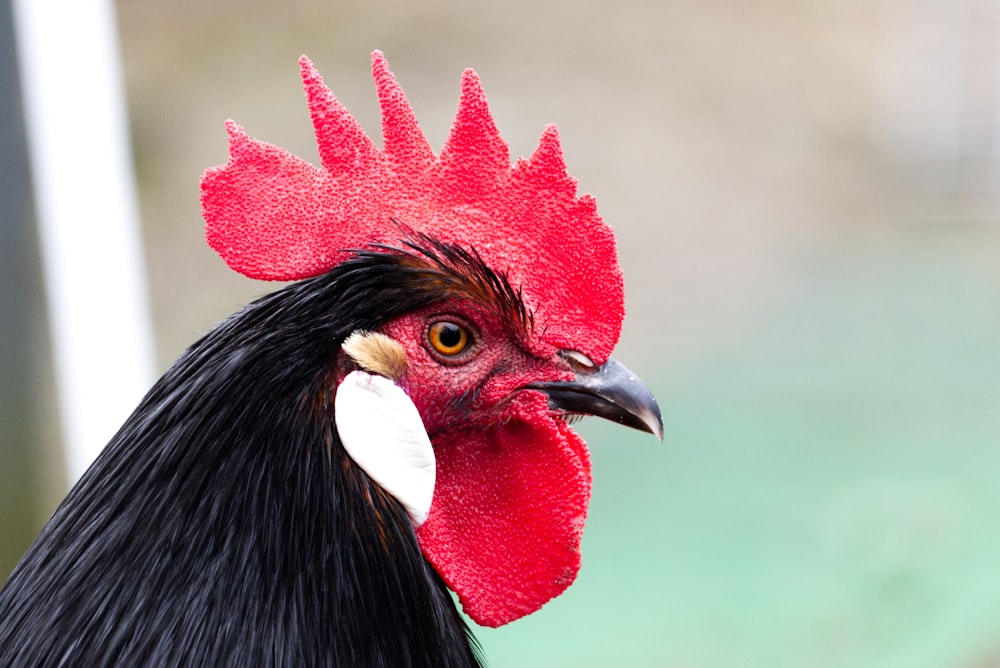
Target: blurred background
x: 807, y: 200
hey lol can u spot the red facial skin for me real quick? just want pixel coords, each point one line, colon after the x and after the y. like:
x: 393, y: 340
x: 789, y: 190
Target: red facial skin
x: 494, y: 365
x: 513, y: 480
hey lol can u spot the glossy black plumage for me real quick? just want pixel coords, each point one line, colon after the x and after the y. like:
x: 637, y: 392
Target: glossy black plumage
x: 225, y: 526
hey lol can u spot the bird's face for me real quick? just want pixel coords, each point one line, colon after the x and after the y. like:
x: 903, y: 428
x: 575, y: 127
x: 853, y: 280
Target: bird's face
x: 465, y: 365
x: 513, y: 479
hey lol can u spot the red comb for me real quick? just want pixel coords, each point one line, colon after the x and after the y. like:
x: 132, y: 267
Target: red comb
x: 271, y: 215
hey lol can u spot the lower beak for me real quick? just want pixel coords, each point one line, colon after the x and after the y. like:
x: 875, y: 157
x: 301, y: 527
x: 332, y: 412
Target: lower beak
x: 610, y: 391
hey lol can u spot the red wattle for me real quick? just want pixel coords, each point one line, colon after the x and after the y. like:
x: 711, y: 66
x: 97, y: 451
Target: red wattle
x: 507, y: 517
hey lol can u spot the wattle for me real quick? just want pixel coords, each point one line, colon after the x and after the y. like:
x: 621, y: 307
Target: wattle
x: 508, y: 512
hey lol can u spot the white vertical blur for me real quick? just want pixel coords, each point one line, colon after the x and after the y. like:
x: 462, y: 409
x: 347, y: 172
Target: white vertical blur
x: 920, y: 87
x: 87, y: 215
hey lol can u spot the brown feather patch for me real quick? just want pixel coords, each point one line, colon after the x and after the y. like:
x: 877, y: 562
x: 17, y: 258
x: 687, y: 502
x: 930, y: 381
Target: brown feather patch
x: 376, y: 353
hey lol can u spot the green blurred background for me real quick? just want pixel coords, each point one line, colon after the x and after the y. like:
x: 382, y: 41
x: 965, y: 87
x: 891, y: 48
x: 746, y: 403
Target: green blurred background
x: 807, y: 200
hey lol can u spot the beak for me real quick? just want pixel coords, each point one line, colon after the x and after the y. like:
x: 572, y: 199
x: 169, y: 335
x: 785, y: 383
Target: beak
x: 610, y: 391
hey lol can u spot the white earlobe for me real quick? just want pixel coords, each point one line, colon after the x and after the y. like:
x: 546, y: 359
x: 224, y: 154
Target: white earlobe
x: 383, y: 433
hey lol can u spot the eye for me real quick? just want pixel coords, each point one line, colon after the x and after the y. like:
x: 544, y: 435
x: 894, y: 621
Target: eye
x: 449, y: 338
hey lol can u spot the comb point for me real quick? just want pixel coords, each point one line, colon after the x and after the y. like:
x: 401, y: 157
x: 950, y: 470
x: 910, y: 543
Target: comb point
x: 475, y: 159
x: 548, y: 156
x: 237, y: 135
x: 343, y: 145
x: 403, y: 142
x: 306, y: 67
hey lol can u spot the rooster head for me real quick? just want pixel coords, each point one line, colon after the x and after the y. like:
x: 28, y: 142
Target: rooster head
x: 508, y: 300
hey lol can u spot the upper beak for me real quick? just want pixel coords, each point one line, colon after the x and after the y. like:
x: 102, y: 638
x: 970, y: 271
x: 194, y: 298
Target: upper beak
x: 610, y: 391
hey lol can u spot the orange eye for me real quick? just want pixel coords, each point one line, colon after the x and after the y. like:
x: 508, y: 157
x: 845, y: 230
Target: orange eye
x: 448, y: 338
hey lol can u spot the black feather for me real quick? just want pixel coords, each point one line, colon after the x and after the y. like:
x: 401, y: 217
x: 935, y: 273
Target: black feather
x: 225, y: 526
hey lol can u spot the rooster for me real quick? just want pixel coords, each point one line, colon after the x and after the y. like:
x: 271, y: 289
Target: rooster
x: 308, y: 481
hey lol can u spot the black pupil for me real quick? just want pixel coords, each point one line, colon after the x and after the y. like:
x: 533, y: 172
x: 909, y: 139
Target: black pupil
x: 449, y: 335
